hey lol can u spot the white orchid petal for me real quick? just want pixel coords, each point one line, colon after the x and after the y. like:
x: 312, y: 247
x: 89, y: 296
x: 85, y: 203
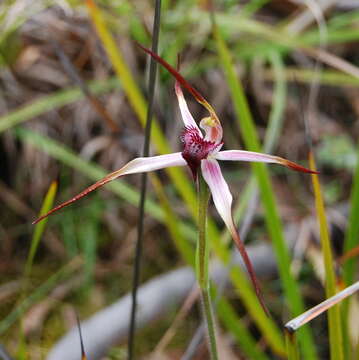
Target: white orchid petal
x: 221, y: 195
x: 146, y: 164
x: 186, y: 115
x: 138, y: 165
x: 241, y: 155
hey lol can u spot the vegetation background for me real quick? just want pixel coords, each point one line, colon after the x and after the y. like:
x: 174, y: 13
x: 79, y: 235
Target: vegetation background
x: 72, y: 109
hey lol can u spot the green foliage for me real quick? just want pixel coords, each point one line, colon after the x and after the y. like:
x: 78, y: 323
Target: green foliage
x: 40, y: 227
x: 10, y: 46
x: 334, y: 317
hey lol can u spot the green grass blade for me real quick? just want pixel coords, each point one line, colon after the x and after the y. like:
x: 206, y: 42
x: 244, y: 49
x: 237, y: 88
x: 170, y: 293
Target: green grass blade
x: 334, y: 321
x: 350, y: 242
x: 51, y: 102
x: 40, y: 227
x: 247, y: 344
x: 246, y: 124
x: 35, y: 241
x: 275, y: 122
x: 292, y: 346
x: 89, y: 232
x: 69, y: 234
x: 343, y: 19
x: 352, y: 233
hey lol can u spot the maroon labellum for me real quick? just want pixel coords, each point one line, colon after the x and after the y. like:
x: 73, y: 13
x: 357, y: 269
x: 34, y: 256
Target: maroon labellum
x: 196, y: 148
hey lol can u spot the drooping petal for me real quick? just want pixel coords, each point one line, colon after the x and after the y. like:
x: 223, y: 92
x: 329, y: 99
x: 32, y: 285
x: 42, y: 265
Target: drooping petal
x: 222, y: 199
x: 138, y: 165
x: 221, y: 194
x: 241, y: 155
x: 187, y: 117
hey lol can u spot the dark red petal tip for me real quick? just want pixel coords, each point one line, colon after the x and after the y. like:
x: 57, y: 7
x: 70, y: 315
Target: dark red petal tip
x: 175, y: 73
x: 248, y: 264
x: 91, y: 188
x: 300, y: 168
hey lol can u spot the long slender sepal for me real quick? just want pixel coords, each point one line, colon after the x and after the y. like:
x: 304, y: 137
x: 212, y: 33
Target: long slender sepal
x: 242, y: 155
x: 176, y: 74
x: 182, y: 81
x: 247, y: 262
x: 138, y: 165
x: 222, y: 199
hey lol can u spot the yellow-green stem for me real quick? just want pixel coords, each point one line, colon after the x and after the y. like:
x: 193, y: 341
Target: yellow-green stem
x: 334, y: 318
x: 202, y: 255
x: 208, y: 313
x: 292, y: 345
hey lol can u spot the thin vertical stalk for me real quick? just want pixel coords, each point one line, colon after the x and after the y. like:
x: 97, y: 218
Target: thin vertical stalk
x: 291, y: 345
x: 145, y: 152
x: 83, y: 354
x: 352, y: 233
x: 40, y: 228
x: 334, y: 318
x: 349, y: 267
x: 202, y: 255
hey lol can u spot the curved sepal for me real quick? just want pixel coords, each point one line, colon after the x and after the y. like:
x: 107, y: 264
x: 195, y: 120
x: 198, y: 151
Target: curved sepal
x: 187, y: 117
x: 183, y: 82
x: 138, y: 165
x: 222, y: 199
x: 241, y: 155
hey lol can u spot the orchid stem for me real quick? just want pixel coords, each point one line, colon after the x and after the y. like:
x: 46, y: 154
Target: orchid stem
x: 202, y: 256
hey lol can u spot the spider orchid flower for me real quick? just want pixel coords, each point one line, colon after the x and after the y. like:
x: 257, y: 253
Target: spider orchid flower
x: 201, y: 151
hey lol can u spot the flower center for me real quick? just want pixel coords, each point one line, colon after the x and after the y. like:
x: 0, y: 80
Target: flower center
x: 196, y: 148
